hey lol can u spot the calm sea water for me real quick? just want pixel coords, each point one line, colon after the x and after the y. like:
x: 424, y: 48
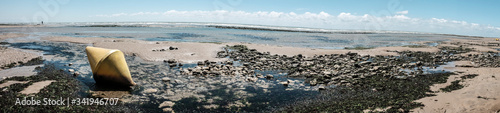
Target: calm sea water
x: 215, y: 32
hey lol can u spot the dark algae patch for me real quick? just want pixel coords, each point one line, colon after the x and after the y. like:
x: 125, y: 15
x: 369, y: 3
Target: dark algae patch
x: 455, y: 85
x: 65, y: 87
x: 371, y: 93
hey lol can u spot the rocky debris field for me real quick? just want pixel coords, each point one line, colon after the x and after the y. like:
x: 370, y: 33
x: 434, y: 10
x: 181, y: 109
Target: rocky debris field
x: 351, y: 73
x: 335, y: 69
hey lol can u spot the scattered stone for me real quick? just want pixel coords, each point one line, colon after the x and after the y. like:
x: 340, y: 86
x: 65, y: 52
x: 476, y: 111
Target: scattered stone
x: 71, y: 70
x: 76, y: 74
x: 321, y: 87
x: 150, y: 90
x: 252, y: 79
x: 168, y: 110
x: 173, y: 48
x: 166, y: 104
x: 70, y: 64
x: 269, y: 76
x: 36, y: 87
x: 165, y: 79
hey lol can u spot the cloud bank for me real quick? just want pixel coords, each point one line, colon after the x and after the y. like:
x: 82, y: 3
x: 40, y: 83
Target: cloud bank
x: 397, y: 22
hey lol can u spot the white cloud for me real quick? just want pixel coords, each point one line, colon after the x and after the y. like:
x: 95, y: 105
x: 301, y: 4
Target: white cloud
x: 402, y: 12
x: 344, y: 20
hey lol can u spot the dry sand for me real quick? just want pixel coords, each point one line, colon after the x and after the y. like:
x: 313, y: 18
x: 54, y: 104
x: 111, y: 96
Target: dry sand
x: 18, y: 71
x: 10, y: 55
x: 480, y: 94
x: 11, y: 35
x: 8, y: 83
x: 36, y: 87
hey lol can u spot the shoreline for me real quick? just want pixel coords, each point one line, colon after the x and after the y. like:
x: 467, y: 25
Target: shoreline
x: 189, y: 52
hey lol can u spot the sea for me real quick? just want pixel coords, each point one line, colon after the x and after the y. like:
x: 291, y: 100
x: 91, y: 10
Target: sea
x: 224, y: 32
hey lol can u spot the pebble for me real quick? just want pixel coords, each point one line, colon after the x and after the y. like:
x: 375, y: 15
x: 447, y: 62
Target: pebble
x: 165, y: 79
x: 150, y: 90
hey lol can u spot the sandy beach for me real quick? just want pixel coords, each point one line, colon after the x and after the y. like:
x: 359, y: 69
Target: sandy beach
x: 478, y: 95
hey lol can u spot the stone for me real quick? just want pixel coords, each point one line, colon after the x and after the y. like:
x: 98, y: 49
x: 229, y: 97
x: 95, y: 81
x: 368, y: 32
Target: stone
x: 321, y: 87
x: 269, y: 76
x: 252, y: 79
x: 173, y: 48
x: 168, y: 110
x: 260, y: 76
x: 178, y: 81
x: 150, y: 90
x: 313, y: 82
x: 70, y: 64
x: 285, y: 83
x: 71, y: 70
x: 165, y: 79
x: 76, y: 74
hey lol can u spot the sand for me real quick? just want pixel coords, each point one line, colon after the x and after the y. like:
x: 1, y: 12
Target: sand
x: 187, y: 52
x: 480, y: 94
x: 11, y: 35
x: 36, y: 87
x: 18, y: 71
x: 11, y: 55
x: 8, y: 83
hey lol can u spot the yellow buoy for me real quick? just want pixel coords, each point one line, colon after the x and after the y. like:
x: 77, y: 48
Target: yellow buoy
x: 497, y: 39
x: 109, y: 66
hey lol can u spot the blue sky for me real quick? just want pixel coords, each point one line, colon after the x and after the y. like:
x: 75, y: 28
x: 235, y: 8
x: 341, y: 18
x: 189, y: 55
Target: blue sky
x: 437, y: 16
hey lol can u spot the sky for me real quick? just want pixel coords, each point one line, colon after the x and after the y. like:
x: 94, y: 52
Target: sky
x: 463, y: 17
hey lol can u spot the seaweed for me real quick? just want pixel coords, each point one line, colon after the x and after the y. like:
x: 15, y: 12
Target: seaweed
x: 374, y: 92
x: 65, y: 87
x: 454, y: 86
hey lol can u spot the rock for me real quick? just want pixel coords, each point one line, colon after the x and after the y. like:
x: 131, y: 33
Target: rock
x: 365, y: 62
x: 70, y: 64
x: 321, y: 87
x: 201, y: 63
x: 260, y: 76
x: 150, y: 90
x: 165, y: 79
x: 173, y: 48
x: 178, y: 81
x: 168, y: 110
x: 285, y: 83
x: 313, y: 82
x: 252, y: 79
x: 269, y: 76
x: 76, y: 74
x: 71, y: 70
x: 170, y: 61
